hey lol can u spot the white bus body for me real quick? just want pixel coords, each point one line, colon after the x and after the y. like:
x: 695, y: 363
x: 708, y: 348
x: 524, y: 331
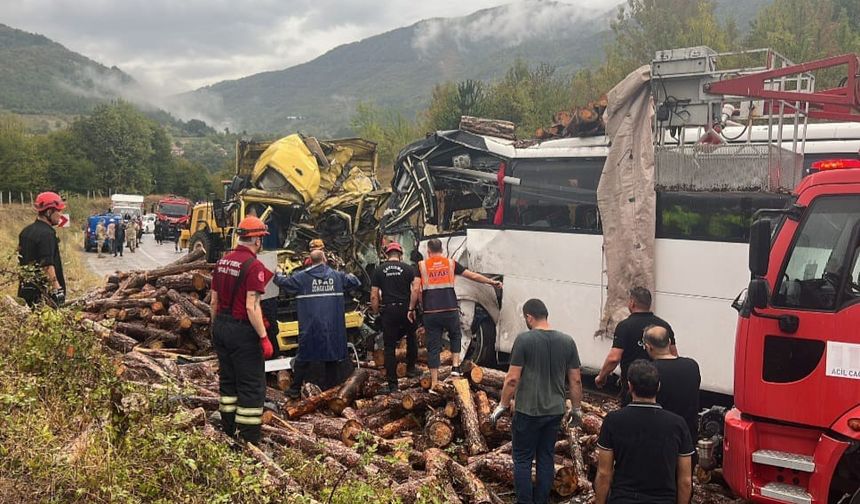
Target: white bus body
x: 696, y: 277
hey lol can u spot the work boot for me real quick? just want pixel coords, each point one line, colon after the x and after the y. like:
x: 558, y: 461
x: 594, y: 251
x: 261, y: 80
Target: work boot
x: 456, y: 372
x: 293, y: 393
x: 412, y: 373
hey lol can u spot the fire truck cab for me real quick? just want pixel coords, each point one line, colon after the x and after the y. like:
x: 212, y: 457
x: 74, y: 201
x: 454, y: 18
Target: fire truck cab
x: 794, y: 433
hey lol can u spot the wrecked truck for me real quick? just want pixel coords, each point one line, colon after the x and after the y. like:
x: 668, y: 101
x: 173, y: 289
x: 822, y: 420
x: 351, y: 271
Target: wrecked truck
x: 303, y: 189
x: 527, y: 213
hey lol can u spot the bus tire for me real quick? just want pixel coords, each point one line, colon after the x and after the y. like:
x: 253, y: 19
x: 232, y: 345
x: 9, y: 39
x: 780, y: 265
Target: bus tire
x: 202, y: 239
x: 484, y: 350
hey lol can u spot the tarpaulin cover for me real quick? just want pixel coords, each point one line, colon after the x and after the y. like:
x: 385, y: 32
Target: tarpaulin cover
x: 626, y: 197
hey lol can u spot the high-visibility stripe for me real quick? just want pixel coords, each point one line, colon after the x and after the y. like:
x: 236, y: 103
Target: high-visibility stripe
x: 249, y: 411
x: 229, y: 399
x: 437, y: 282
x: 327, y: 294
x: 227, y: 408
x: 248, y: 420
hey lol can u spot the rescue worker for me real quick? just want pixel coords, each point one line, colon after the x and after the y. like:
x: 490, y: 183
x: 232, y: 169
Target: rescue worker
x: 239, y: 333
x: 119, y: 233
x: 439, y: 303
x: 131, y: 235
x: 38, y: 246
x: 627, y: 343
x: 544, y: 369
x: 321, y: 309
x: 643, y: 451
x: 111, y: 236
x: 315, y: 244
x: 394, y: 278
x: 159, y: 232
x: 101, y: 236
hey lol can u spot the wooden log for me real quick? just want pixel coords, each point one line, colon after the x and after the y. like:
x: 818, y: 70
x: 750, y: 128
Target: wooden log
x: 487, y: 377
x: 200, y: 281
x: 443, y: 372
x: 127, y: 314
x: 378, y: 420
x: 192, y: 256
x: 348, y: 391
x: 471, y: 485
x: 187, y: 305
x: 182, y: 282
x: 474, y: 441
x: 285, y: 380
x: 146, y: 334
x: 436, y: 465
x: 438, y: 430
x: 374, y: 405
x: 309, y: 405
x: 418, y: 399
x: 451, y: 410
x: 490, y: 127
x: 108, y: 303
x: 202, y: 306
x: 408, y: 491
x: 351, y: 431
x: 591, y: 423
x: 393, y: 428
x: 579, y: 480
x: 140, y: 279
x: 482, y: 407
x: 158, y: 308
x: 114, y: 340
x: 182, y: 318
x: 328, y: 427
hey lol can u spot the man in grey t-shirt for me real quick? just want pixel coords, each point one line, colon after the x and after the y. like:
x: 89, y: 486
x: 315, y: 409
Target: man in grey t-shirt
x: 542, y: 360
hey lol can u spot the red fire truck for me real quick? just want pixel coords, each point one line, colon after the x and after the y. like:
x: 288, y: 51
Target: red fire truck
x: 173, y: 212
x: 793, y: 434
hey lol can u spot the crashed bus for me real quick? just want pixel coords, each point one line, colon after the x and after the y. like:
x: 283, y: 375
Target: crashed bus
x: 527, y: 212
x: 303, y: 189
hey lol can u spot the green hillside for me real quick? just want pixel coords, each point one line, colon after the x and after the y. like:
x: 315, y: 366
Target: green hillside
x: 398, y: 69
x: 40, y: 76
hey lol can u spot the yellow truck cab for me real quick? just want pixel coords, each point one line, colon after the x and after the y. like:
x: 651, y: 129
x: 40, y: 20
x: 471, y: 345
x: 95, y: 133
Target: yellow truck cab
x: 303, y: 189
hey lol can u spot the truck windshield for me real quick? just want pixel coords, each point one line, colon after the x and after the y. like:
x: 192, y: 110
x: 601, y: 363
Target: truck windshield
x: 172, y: 209
x: 821, y: 255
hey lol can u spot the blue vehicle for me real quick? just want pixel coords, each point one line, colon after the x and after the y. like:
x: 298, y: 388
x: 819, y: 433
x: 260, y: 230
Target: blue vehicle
x: 90, y: 231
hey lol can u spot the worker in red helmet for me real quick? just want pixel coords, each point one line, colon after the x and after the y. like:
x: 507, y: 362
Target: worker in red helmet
x: 39, y: 254
x: 239, y: 332
x: 393, y: 291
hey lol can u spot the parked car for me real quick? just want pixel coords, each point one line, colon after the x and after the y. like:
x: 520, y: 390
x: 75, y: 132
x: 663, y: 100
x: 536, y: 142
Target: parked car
x: 148, y: 223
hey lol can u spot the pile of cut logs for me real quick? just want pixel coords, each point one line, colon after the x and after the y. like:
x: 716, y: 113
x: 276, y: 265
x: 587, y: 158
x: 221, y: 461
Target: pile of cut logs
x: 578, y: 122
x: 167, y: 307
x: 156, y: 324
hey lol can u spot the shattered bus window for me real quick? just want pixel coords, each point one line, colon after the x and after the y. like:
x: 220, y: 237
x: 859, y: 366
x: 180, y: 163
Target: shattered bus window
x: 556, y: 194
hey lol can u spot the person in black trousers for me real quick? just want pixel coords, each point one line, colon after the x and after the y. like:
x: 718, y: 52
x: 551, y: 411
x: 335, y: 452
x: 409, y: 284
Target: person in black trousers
x: 393, y: 293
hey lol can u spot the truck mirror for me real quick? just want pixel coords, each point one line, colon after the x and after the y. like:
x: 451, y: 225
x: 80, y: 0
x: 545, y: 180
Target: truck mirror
x: 757, y: 293
x: 759, y: 247
x: 219, y: 213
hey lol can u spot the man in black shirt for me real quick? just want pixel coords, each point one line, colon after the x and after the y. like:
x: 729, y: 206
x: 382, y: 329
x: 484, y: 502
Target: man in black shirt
x: 627, y: 343
x: 643, y: 450
x: 396, y: 281
x: 679, y: 378
x: 38, y: 247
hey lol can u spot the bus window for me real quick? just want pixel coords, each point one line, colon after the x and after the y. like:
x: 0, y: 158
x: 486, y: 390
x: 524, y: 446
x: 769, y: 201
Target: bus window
x: 709, y: 216
x: 558, y: 195
x: 820, y: 255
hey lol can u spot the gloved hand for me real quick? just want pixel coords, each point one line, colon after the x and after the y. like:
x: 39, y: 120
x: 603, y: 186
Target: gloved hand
x: 575, y: 418
x: 268, y: 351
x: 58, y: 297
x: 497, y: 413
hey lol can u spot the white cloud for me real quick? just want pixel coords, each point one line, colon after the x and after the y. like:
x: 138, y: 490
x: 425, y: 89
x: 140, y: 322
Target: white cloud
x: 176, y: 45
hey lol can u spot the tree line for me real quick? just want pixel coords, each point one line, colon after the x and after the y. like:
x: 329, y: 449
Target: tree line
x: 529, y: 95
x: 115, y: 148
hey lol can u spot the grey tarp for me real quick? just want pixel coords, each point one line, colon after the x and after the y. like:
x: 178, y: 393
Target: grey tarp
x: 626, y: 197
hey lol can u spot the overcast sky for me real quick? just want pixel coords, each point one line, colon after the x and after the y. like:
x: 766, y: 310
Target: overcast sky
x: 177, y: 45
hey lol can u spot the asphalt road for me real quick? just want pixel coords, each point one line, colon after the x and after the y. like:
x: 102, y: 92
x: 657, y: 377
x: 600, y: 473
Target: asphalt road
x: 150, y: 255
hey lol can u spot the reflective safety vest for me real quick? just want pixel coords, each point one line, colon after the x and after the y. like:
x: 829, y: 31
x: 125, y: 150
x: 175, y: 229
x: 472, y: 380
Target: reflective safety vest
x: 437, y: 284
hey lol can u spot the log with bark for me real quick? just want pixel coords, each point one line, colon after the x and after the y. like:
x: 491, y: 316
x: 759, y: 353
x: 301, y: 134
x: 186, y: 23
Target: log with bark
x: 309, y: 405
x: 438, y: 430
x: 348, y: 391
x: 474, y: 441
x: 490, y: 127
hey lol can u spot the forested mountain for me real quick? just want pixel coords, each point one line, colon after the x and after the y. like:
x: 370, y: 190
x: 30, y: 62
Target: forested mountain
x: 40, y: 76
